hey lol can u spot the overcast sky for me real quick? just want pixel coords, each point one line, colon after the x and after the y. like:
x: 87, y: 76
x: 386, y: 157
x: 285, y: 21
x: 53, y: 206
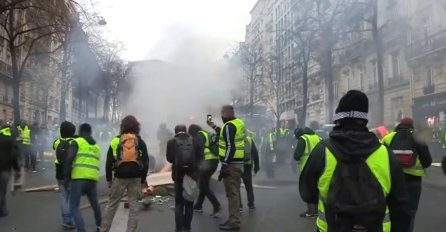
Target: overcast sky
x: 142, y: 25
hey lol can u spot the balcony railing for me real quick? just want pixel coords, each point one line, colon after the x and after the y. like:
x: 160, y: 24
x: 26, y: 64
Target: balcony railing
x: 430, y: 44
x: 430, y: 89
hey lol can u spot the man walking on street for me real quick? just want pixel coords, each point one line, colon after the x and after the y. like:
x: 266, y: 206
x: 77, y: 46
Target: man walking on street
x: 251, y: 159
x: 26, y: 148
x: 356, y: 182
x: 415, y: 157
x: 306, y: 142
x: 81, y: 169
x: 184, y: 154
x: 60, y: 146
x: 232, y: 152
x: 9, y: 160
x: 207, y: 168
x: 269, y: 153
x: 129, y: 158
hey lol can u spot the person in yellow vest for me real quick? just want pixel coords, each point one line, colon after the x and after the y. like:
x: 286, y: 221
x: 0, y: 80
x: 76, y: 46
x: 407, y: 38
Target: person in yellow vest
x: 443, y: 138
x: 231, y: 152
x: 9, y: 161
x: 306, y: 142
x: 81, y: 169
x: 269, y: 153
x: 24, y: 138
x: 414, y: 156
x: 357, y: 183
x: 207, y: 168
x: 128, y: 159
x: 60, y: 146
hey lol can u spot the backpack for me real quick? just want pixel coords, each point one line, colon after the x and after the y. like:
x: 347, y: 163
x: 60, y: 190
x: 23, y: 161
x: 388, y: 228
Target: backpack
x: 190, y: 189
x: 61, y: 150
x: 128, y: 149
x: 356, y: 198
x: 186, y: 157
x: 248, y: 149
x: 213, y: 143
x: 403, y: 146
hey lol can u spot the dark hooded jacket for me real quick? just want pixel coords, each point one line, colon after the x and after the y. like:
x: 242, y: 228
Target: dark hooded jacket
x: 71, y: 155
x: 301, y: 144
x: 354, y: 141
x: 9, y: 154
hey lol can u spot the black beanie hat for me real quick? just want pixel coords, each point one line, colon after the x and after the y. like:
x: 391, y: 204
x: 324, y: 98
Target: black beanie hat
x: 67, y: 129
x: 354, y: 104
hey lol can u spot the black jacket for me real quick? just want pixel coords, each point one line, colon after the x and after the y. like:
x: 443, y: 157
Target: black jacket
x: 301, y: 144
x: 172, y: 153
x: 255, y: 156
x: 353, y: 142
x: 130, y: 170
x: 71, y: 155
x: 9, y: 154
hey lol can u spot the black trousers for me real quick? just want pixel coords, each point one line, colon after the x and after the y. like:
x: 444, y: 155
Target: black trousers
x: 247, y: 181
x: 207, y: 169
x: 184, y: 210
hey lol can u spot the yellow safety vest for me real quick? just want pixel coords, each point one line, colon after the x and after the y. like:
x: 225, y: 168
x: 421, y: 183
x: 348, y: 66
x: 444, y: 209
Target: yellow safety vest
x: 208, y: 155
x: 24, y: 135
x: 444, y: 139
x: 271, y: 138
x: 310, y: 143
x: 283, y: 131
x: 57, y: 143
x: 6, y: 131
x: 378, y: 163
x: 417, y: 169
x: 87, y: 161
x: 239, y: 141
x: 114, y: 146
x: 248, y: 149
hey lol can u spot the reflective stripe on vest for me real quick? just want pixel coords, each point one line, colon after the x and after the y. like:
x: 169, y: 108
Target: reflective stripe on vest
x: 378, y: 163
x: 239, y: 140
x: 86, y: 164
x: 24, y: 135
x: 417, y: 169
x: 6, y: 131
x: 310, y: 143
x: 208, y: 155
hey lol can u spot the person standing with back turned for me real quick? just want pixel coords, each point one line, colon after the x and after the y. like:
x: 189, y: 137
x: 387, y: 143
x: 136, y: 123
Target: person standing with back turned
x: 415, y: 157
x: 355, y: 180
x: 184, y: 155
x: 127, y: 156
x: 82, y: 170
x: 232, y: 152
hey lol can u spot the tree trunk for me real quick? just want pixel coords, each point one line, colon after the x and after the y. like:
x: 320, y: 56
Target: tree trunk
x: 15, y: 70
x: 327, y: 63
x: 379, y: 53
x: 107, y: 100
x: 64, y: 83
x: 303, y: 116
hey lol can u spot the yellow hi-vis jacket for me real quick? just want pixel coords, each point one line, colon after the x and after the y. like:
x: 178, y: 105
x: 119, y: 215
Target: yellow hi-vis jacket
x: 417, y: 169
x: 310, y: 143
x: 378, y: 163
x: 239, y: 141
x: 208, y: 155
x: 24, y: 135
x: 87, y: 161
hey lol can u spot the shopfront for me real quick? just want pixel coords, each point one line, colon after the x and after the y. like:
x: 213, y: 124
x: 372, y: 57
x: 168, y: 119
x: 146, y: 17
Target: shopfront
x: 429, y: 111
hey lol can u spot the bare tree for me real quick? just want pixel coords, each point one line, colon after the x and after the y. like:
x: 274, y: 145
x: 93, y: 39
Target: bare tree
x: 270, y: 84
x: 28, y: 26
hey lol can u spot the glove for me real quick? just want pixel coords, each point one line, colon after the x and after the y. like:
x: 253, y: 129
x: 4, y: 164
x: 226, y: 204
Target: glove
x: 224, y: 172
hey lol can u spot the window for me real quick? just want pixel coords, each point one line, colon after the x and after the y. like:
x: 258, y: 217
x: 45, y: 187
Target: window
x: 426, y: 29
x: 430, y: 76
x: 396, y: 104
x: 375, y: 72
x: 396, y: 72
x: 336, y: 89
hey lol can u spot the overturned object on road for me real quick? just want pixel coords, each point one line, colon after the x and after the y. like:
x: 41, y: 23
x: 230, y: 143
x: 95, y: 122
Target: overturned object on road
x: 46, y: 188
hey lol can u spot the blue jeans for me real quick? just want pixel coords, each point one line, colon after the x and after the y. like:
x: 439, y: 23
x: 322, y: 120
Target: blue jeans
x: 64, y: 204
x: 4, y: 179
x: 79, y: 188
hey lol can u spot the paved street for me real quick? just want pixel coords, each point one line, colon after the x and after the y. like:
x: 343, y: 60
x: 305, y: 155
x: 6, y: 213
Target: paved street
x: 277, y: 209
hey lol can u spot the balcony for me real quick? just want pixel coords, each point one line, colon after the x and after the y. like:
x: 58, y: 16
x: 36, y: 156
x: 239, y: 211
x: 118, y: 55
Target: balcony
x: 396, y: 81
x: 316, y: 97
x: 430, y: 89
x: 430, y: 45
